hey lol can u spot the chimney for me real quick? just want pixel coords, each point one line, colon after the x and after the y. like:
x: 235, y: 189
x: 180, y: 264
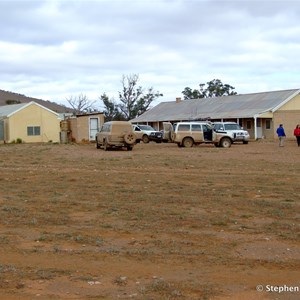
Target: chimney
x: 178, y: 99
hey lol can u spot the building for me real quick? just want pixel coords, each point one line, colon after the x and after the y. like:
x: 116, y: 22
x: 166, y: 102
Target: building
x: 83, y: 127
x: 28, y: 122
x: 259, y: 113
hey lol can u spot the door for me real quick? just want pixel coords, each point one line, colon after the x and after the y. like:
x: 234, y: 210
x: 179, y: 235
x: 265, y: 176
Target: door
x: 168, y: 132
x: 198, y: 133
x: 258, y: 129
x: 94, y: 127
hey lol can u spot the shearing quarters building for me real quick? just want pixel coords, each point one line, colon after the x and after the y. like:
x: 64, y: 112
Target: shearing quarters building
x: 259, y: 113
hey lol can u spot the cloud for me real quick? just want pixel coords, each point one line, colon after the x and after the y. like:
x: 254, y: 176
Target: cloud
x: 54, y: 49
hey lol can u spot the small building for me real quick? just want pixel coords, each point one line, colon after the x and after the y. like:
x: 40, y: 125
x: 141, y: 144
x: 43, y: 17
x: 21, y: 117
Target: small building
x: 83, y: 127
x: 29, y: 123
x: 259, y: 113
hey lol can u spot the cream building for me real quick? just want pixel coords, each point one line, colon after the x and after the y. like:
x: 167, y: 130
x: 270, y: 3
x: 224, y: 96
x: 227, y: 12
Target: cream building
x: 29, y: 123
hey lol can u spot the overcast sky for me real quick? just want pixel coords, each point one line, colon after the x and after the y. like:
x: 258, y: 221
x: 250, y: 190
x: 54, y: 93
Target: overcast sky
x: 52, y: 50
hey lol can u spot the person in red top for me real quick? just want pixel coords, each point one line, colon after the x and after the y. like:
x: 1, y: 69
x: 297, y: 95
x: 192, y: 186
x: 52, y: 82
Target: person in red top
x: 297, y: 134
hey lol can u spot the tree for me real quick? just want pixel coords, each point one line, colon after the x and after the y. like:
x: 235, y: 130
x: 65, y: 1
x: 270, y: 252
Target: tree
x: 215, y: 88
x: 9, y: 102
x: 111, y: 111
x: 134, y: 101
x: 81, y: 104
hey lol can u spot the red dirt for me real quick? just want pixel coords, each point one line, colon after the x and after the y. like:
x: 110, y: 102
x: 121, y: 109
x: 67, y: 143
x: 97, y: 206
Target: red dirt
x: 158, y: 222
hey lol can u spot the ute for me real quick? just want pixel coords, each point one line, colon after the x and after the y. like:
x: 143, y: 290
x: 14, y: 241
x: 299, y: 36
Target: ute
x: 187, y: 134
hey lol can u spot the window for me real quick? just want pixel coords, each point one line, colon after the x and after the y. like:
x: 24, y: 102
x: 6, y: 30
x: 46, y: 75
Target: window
x: 33, y: 130
x: 196, y: 127
x: 232, y: 127
x: 268, y: 124
x: 206, y: 128
x: 184, y: 127
x: 105, y: 128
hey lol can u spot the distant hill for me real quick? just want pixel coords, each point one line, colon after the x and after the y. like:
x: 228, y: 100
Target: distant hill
x: 14, y: 98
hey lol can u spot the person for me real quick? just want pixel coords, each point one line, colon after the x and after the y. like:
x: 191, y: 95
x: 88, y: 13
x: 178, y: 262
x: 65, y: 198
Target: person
x: 297, y: 134
x: 281, y: 134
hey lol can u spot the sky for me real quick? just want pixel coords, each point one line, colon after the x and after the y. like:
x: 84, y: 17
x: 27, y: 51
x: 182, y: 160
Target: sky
x: 57, y: 49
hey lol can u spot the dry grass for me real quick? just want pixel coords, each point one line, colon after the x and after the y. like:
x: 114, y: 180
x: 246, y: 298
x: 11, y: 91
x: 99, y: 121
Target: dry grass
x: 159, y: 222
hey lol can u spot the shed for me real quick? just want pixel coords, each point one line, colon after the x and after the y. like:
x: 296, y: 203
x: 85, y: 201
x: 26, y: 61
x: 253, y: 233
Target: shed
x: 83, y: 127
x: 29, y: 122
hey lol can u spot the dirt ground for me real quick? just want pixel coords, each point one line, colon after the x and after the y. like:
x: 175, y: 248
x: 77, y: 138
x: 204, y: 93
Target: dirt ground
x: 158, y: 222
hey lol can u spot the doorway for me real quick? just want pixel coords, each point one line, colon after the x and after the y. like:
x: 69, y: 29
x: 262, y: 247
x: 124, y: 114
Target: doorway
x: 94, y: 128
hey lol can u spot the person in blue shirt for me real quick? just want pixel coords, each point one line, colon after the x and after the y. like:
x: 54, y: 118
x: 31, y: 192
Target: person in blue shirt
x: 281, y: 135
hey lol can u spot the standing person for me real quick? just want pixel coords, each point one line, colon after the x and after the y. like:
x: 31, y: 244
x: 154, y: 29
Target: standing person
x: 281, y: 134
x: 297, y: 134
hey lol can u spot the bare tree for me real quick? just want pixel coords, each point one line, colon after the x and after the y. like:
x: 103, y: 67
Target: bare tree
x: 81, y: 104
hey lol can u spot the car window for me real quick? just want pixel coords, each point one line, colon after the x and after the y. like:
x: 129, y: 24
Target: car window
x: 137, y: 129
x: 183, y: 127
x: 105, y: 128
x: 146, y: 127
x: 196, y: 127
x: 206, y: 128
x: 218, y: 127
x: 232, y: 127
x: 122, y: 128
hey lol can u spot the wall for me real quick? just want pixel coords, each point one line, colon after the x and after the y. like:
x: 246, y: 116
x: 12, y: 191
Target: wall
x: 33, y: 115
x: 80, y: 126
x: 289, y: 119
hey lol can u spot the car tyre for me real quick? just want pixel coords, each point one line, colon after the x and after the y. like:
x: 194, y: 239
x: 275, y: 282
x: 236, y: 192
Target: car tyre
x: 130, y: 138
x: 225, y: 143
x: 97, y: 145
x: 145, y: 139
x: 188, y: 142
x: 105, y: 146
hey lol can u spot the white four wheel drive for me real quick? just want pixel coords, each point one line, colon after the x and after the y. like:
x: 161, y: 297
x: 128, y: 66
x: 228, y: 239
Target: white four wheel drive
x: 187, y: 134
x: 147, y: 133
x: 237, y: 133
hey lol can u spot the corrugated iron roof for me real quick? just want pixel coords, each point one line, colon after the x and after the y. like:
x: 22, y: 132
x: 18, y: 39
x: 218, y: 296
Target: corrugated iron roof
x: 236, y: 106
x: 6, y: 110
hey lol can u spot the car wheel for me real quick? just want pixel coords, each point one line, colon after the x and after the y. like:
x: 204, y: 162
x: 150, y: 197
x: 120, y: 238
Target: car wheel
x: 105, y: 146
x: 129, y: 148
x: 187, y: 142
x: 97, y: 145
x: 245, y: 142
x: 225, y: 143
x: 130, y: 138
x: 145, y: 139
